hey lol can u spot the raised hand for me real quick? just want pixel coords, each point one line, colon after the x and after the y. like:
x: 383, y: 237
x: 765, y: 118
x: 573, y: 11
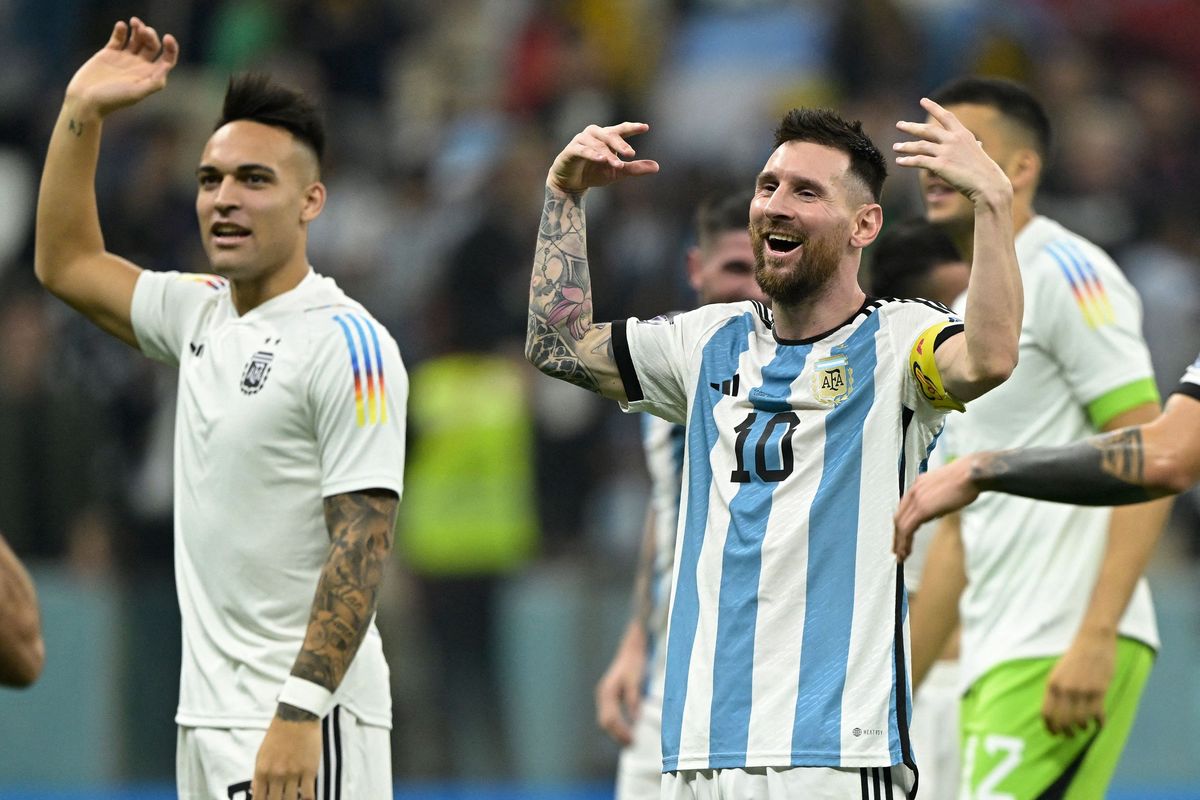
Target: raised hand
x: 132, y: 65
x: 946, y: 148
x: 595, y: 158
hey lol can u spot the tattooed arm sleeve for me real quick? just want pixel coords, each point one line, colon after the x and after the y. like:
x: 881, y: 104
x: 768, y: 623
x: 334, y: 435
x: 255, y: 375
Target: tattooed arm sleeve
x: 561, y: 339
x: 1103, y: 470
x: 360, y: 528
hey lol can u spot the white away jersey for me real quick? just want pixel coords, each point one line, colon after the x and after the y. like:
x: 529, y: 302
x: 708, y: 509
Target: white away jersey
x: 301, y: 398
x: 1031, y: 565
x: 787, y: 637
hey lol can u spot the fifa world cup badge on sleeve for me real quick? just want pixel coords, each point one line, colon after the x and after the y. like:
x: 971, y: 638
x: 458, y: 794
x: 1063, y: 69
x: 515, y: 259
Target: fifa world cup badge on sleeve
x: 833, y: 380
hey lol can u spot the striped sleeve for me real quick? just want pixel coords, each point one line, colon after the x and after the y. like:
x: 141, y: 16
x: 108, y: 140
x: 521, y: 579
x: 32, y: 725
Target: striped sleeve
x: 1090, y: 319
x: 358, y: 392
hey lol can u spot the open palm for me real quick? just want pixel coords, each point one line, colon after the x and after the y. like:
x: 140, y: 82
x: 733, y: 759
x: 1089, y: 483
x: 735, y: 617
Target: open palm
x: 133, y: 64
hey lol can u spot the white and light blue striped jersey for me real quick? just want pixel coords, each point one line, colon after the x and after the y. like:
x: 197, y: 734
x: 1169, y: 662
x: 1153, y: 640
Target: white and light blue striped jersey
x: 787, y: 638
x: 663, y: 443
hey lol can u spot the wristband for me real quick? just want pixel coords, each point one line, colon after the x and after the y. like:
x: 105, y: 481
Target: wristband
x: 306, y: 695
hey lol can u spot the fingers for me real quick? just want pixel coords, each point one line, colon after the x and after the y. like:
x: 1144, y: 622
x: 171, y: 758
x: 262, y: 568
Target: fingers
x: 947, y: 120
x: 120, y: 36
x: 170, y: 51
x: 608, y: 712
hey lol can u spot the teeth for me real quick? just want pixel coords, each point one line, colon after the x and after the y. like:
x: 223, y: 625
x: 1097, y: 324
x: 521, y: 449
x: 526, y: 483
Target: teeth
x: 783, y: 237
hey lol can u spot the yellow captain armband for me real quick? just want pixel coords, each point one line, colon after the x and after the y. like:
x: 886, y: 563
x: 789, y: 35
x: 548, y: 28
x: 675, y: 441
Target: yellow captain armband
x: 924, y: 369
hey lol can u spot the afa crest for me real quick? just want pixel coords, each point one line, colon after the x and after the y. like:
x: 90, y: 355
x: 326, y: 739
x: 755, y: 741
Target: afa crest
x: 254, y: 376
x: 833, y: 380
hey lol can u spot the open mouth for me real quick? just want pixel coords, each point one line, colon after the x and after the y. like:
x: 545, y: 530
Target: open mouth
x: 228, y: 233
x: 939, y: 191
x: 783, y: 243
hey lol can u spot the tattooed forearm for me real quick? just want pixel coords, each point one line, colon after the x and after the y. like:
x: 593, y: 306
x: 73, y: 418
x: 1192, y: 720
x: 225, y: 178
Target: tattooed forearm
x: 75, y: 127
x: 560, y: 292
x: 290, y: 713
x: 360, y: 526
x: 1101, y: 471
x: 643, y: 593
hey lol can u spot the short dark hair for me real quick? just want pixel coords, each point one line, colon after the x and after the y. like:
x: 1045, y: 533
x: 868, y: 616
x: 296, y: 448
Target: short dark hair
x: 824, y: 127
x: 904, y: 253
x: 1010, y: 98
x: 255, y: 97
x: 720, y: 213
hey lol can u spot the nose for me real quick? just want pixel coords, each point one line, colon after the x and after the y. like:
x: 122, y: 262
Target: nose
x: 226, y: 196
x: 777, y: 207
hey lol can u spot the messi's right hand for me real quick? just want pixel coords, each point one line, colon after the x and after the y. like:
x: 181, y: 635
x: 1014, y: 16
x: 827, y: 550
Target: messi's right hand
x: 594, y: 158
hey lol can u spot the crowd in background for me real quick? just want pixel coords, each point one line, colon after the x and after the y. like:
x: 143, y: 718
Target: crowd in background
x: 443, y: 118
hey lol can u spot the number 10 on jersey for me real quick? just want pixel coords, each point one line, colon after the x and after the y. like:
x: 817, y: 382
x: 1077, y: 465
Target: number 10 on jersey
x: 777, y: 435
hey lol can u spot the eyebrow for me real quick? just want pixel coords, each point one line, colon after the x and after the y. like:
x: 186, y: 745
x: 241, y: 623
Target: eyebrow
x: 799, y: 182
x: 241, y: 169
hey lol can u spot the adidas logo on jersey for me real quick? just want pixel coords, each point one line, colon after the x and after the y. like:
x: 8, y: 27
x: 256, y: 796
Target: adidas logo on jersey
x: 730, y: 386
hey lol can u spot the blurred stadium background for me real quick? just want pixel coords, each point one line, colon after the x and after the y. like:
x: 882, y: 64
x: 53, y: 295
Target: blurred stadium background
x: 513, y: 566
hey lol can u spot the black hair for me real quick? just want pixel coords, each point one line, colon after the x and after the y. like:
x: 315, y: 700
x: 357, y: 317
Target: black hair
x: 905, y: 253
x: 1010, y: 98
x: 255, y: 97
x: 824, y: 127
x: 720, y: 213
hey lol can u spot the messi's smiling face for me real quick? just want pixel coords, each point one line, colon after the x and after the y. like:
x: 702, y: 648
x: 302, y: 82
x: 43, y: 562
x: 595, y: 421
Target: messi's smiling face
x: 801, y: 219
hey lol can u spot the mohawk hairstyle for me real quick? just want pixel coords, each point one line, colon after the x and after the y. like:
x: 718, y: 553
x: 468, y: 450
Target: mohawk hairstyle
x: 824, y: 127
x: 1010, y: 98
x: 255, y: 97
x: 719, y: 213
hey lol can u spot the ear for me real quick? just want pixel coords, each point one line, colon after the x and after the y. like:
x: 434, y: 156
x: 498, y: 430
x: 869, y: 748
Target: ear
x: 694, y: 263
x: 314, y: 202
x: 868, y: 222
x: 1024, y: 169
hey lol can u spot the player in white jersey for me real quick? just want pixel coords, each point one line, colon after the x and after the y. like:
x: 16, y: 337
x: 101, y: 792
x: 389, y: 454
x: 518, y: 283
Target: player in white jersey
x: 22, y: 651
x: 289, y: 440
x: 917, y: 259
x: 1130, y: 465
x: 720, y: 269
x: 1058, y: 629
x: 786, y: 652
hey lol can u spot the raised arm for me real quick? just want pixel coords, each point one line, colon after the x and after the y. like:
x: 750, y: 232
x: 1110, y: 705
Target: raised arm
x: 22, y: 652
x: 985, y: 355
x: 561, y: 339
x: 69, y: 255
x: 360, y: 528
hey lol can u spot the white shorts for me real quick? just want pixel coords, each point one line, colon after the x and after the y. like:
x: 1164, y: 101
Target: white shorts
x: 935, y: 733
x: 218, y: 763
x: 771, y: 783
x: 639, y: 772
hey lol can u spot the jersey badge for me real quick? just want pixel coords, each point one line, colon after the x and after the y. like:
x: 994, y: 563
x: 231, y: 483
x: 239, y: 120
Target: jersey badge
x: 254, y: 376
x: 833, y: 380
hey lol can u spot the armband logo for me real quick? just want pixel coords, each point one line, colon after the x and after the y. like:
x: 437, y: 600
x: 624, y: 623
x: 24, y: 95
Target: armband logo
x: 925, y: 382
x: 833, y: 380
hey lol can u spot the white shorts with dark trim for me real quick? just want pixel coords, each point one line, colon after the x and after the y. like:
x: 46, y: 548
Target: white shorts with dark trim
x: 218, y: 763
x: 771, y: 783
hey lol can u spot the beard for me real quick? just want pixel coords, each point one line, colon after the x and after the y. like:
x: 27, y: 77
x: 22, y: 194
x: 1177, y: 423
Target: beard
x: 789, y: 285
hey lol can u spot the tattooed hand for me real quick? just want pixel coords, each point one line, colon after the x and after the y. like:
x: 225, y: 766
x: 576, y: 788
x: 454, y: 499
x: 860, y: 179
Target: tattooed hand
x: 594, y: 158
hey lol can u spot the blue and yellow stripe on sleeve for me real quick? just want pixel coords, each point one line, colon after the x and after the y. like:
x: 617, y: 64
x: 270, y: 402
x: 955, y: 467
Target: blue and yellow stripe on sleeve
x: 366, y: 364
x: 1090, y: 294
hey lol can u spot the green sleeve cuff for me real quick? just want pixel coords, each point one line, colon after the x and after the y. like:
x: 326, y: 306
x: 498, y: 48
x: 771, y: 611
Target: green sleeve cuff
x: 1111, y: 404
